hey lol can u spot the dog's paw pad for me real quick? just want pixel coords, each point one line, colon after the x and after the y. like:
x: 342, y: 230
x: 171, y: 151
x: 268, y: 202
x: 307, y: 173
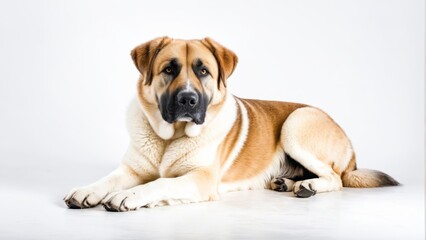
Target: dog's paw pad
x: 279, y: 185
x: 304, y: 192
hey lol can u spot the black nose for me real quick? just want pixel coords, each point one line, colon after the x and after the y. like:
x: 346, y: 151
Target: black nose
x: 187, y: 99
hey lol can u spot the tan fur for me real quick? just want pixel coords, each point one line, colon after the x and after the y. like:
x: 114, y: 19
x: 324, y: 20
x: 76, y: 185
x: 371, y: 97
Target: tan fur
x: 321, y: 136
x: 266, y: 119
x: 351, y: 167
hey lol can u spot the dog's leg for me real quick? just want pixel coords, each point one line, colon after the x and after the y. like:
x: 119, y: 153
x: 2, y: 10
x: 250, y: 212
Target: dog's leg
x: 315, y: 141
x: 327, y: 179
x: 195, y: 186
x: 91, y: 195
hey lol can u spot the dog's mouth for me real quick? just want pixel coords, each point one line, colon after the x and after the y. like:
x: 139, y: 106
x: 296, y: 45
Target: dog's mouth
x: 188, y: 117
x: 196, y: 117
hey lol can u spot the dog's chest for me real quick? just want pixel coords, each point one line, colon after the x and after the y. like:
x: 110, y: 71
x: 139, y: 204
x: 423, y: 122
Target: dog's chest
x: 158, y: 157
x: 170, y: 158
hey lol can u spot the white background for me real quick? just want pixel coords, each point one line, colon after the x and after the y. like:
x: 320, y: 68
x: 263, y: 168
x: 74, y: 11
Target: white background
x: 66, y: 75
x: 66, y: 78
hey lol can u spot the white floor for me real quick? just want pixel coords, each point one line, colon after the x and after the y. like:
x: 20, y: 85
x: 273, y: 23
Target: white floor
x: 32, y: 208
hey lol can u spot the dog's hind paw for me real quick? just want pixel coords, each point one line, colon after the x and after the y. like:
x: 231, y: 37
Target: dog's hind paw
x: 304, y: 190
x: 282, y: 184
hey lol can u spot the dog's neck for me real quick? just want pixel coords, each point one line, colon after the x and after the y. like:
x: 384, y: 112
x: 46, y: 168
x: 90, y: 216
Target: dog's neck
x: 179, y: 129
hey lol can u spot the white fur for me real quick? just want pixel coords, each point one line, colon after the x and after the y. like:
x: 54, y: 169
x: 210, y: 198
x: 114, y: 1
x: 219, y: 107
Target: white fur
x: 261, y: 181
x: 188, y: 86
x: 192, y: 129
x: 165, y: 130
x: 156, y: 122
x: 164, y: 190
x: 146, y: 146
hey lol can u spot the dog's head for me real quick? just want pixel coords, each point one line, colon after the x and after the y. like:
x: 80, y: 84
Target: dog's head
x: 182, y: 79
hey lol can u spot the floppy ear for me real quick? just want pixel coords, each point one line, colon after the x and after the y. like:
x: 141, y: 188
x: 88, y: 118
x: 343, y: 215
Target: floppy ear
x: 144, y: 55
x: 225, y: 58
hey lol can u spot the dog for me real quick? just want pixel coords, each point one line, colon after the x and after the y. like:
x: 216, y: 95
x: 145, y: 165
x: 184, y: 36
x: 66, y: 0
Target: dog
x: 191, y: 139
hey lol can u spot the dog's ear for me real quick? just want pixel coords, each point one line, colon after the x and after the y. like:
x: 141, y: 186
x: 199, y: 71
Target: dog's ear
x: 144, y: 55
x: 225, y: 58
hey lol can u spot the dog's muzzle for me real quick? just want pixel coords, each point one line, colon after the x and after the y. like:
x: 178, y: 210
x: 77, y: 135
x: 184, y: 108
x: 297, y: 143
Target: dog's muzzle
x: 183, y: 106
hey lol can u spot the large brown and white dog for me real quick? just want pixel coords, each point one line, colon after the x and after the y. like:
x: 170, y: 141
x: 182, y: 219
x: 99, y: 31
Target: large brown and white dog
x: 191, y: 139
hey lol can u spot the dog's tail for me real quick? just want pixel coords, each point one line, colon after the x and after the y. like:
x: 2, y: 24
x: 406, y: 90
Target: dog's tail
x: 365, y: 178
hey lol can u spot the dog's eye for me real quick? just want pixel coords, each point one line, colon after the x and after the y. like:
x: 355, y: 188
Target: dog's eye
x: 203, y: 71
x: 168, y: 70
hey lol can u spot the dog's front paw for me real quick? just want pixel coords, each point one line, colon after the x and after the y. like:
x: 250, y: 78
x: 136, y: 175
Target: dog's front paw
x: 84, y: 197
x: 121, y: 202
x: 304, y: 189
